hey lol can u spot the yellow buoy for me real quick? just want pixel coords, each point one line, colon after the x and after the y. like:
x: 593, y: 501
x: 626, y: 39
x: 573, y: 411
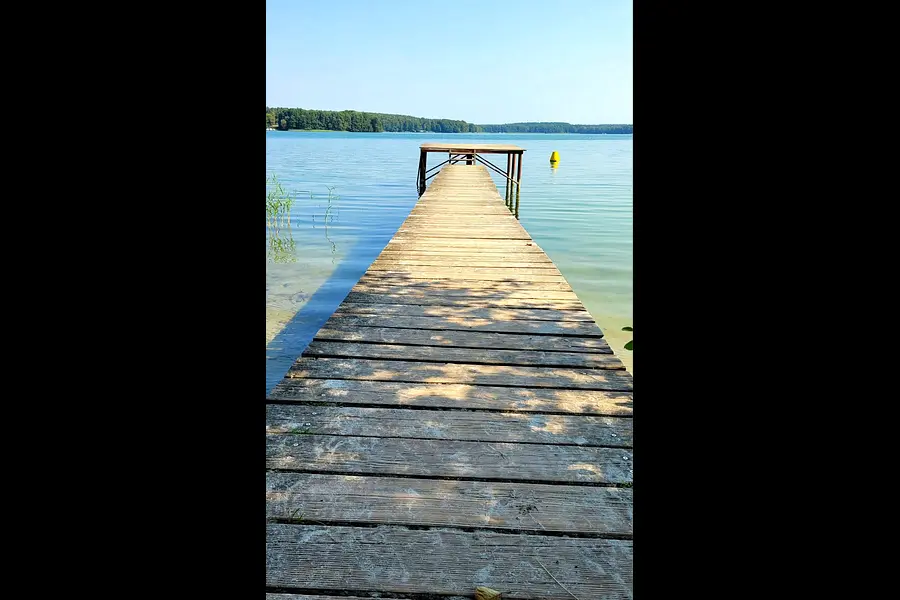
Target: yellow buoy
x: 554, y: 159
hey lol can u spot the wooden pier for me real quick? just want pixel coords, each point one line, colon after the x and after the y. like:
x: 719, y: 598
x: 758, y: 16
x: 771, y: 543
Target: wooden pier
x: 470, y: 154
x: 458, y: 422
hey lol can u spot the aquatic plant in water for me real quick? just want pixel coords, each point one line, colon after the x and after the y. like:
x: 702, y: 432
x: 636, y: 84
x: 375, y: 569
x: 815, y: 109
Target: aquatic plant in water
x: 279, y: 247
x: 630, y: 344
x: 278, y: 203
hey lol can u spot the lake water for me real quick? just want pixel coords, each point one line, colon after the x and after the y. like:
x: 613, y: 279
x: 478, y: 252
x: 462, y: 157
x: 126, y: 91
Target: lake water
x: 580, y: 213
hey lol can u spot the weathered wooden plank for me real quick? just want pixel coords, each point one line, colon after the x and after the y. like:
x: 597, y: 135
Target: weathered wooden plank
x: 524, y: 507
x: 480, y: 239
x: 465, y: 190
x: 476, y: 312
x: 480, y: 217
x: 419, y: 372
x: 462, y: 238
x: 473, y: 184
x: 460, y: 201
x: 448, y: 199
x: 320, y: 597
x: 481, y: 356
x: 470, y: 183
x: 456, y: 396
x: 472, y: 228
x: 469, y: 211
x: 501, y: 266
x: 445, y: 255
x: 551, y: 273
x: 500, y: 220
x: 414, y: 248
x: 480, y: 212
x: 425, y: 225
x: 576, y: 328
x: 462, y: 228
x: 536, y: 463
x: 458, y: 184
x: 456, y: 262
x: 445, y: 196
x: 517, y: 302
x: 473, y: 426
x: 467, y: 339
x: 472, y: 295
x: 421, y: 225
x: 448, y: 202
x: 527, y: 254
x: 462, y: 191
x: 548, y: 281
x: 435, y: 561
x: 437, y: 241
x: 470, y: 207
x: 471, y: 284
x: 473, y: 289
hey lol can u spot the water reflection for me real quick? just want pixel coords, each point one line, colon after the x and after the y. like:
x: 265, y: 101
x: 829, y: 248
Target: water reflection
x: 512, y: 197
x: 280, y: 246
x: 328, y: 217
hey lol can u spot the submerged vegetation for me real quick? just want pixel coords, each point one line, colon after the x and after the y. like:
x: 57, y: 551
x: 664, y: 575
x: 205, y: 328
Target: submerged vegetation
x: 351, y: 120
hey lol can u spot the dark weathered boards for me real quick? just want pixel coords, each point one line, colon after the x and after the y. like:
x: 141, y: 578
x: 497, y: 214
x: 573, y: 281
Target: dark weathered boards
x: 460, y: 421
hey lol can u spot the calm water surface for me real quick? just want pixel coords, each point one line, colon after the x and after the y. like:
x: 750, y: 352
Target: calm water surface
x: 580, y: 213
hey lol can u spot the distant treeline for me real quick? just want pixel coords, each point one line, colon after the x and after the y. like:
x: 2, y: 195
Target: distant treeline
x: 351, y: 120
x: 554, y: 128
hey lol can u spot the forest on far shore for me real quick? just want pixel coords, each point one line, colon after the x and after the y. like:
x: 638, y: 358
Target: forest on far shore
x: 351, y: 120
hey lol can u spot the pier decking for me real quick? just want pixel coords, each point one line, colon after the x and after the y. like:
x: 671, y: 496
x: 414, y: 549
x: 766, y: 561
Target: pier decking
x: 459, y: 421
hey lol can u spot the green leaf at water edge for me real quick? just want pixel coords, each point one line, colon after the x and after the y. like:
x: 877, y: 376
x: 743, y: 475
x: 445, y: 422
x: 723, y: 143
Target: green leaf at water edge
x: 630, y: 345
x: 627, y: 329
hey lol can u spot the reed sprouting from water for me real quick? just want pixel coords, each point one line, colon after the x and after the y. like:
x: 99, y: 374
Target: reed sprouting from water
x: 280, y: 245
x: 278, y: 203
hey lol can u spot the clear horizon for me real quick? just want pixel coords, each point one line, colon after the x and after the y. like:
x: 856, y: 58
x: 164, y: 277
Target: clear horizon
x: 569, y: 62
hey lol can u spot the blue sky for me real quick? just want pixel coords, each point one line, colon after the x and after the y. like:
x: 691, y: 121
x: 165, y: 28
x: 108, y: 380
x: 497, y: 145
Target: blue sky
x: 488, y: 61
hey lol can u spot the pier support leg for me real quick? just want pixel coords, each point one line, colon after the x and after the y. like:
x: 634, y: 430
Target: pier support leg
x: 518, y: 181
x: 517, y: 202
x: 508, y: 184
x: 422, y: 161
x: 519, y: 172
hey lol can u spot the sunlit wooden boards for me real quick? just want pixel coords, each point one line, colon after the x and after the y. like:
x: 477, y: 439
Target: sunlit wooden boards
x: 459, y: 421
